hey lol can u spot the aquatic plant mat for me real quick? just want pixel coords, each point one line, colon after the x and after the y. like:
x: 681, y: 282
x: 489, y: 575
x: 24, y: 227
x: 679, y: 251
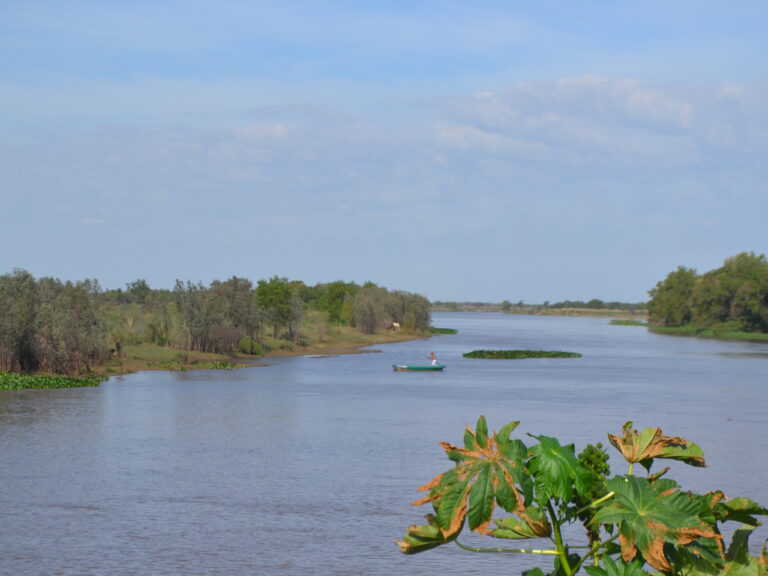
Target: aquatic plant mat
x: 12, y: 381
x: 518, y: 354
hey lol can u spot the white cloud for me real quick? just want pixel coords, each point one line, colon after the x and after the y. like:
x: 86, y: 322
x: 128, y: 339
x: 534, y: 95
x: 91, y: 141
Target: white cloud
x: 277, y: 130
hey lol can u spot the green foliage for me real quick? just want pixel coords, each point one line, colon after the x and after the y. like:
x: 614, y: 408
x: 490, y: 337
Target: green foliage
x: 376, y: 307
x: 433, y: 330
x: 670, y: 302
x: 14, y: 381
x: 631, y: 522
x: 518, y: 354
x: 18, y: 305
x: 69, y: 328
x: 732, y: 298
x: 707, y: 333
x: 252, y: 347
x: 180, y: 365
x: 280, y: 301
x: 332, y: 298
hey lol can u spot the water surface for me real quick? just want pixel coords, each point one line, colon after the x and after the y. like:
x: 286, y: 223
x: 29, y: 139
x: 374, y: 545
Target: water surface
x: 309, y: 465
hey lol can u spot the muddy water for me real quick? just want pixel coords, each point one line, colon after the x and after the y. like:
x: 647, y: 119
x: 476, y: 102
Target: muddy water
x: 308, y: 466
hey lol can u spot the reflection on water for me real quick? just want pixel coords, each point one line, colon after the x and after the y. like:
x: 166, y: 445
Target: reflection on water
x: 308, y: 466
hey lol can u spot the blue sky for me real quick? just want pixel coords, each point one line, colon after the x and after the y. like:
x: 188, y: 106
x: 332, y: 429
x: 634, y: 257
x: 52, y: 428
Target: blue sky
x: 535, y: 151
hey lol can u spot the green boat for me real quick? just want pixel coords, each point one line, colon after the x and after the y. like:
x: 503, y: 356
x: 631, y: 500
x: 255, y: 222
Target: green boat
x: 417, y: 368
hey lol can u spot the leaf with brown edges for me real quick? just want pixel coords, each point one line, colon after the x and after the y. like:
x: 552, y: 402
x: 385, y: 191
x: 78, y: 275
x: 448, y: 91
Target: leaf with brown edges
x: 487, y: 473
x: 651, y: 443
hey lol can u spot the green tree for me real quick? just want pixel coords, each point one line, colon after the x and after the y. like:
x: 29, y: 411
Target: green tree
x: 233, y: 301
x: 333, y: 296
x: 281, y: 305
x: 369, y: 308
x: 671, y: 300
x: 68, y: 335
x: 416, y: 312
x: 18, y: 306
x: 194, y: 323
x: 736, y: 293
x: 138, y: 290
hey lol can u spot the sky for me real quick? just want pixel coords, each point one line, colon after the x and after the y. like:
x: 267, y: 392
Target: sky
x: 466, y: 151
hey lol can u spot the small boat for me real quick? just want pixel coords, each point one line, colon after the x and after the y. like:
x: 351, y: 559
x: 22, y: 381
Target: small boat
x: 417, y: 367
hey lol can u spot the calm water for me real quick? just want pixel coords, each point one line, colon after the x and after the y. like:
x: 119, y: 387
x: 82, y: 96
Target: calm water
x: 309, y: 465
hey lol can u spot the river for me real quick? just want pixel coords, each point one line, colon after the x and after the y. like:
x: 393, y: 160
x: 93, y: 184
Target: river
x: 309, y: 465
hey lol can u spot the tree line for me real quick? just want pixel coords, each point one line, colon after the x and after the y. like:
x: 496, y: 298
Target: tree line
x: 521, y: 307
x: 732, y: 298
x: 71, y: 327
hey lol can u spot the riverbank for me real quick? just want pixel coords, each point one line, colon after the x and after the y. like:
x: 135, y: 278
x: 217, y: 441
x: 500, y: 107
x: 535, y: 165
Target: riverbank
x: 325, y: 341
x: 318, y: 339
x: 707, y: 333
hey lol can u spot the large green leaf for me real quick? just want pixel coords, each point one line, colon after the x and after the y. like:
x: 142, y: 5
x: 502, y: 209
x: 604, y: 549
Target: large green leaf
x: 487, y: 472
x: 651, y: 514
x: 643, y: 447
x: 557, y: 471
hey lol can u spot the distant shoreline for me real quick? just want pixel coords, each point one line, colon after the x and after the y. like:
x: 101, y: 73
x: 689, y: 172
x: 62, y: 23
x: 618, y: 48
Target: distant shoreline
x: 532, y: 310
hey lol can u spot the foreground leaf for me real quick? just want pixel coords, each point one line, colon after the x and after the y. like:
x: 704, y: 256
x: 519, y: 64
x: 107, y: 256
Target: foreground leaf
x: 421, y: 538
x: 487, y: 472
x: 652, y: 514
x: 529, y: 523
x: 616, y: 568
x: 738, y: 561
x: 741, y: 510
x: 643, y: 447
x: 557, y: 471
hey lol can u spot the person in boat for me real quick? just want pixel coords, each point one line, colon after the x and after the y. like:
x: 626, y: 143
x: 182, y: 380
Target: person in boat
x: 433, y: 358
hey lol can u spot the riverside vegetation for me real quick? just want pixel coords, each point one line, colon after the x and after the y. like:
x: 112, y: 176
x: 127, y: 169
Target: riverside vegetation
x: 630, y: 522
x: 74, y: 328
x: 729, y: 302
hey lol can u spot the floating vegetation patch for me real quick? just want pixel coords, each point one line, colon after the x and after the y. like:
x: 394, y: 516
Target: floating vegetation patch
x: 12, y: 381
x: 180, y: 365
x: 629, y: 323
x: 518, y: 354
x: 434, y: 330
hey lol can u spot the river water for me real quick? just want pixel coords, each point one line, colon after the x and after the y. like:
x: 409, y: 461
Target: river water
x: 308, y: 465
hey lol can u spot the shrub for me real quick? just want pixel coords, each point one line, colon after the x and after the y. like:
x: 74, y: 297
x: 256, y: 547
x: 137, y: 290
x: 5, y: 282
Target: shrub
x: 630, y: 520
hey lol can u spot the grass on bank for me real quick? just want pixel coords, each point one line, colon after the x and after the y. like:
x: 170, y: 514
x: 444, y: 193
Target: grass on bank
x: 709, y: 333
x: 630, y: 322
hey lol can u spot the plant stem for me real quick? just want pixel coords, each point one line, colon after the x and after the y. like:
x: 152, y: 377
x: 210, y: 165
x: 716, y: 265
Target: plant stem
x: 562, y: 551
x: 505, y: 550
x: 593, y: 554
x: 597, y: 502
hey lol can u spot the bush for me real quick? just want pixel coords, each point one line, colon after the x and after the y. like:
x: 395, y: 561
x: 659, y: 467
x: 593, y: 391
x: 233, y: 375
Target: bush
x: 250, y: 346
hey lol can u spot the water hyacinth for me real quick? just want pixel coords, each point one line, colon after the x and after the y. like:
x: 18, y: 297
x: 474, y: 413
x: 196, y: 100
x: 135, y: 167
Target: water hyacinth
x: 13, y: 381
